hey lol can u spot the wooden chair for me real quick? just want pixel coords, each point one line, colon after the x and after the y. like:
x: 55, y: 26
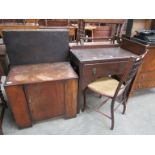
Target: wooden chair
x: 114, y: 30
x: 101, y: 33
x: 114, y: 89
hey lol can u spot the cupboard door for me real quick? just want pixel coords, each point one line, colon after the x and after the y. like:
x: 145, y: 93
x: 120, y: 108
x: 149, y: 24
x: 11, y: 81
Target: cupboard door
x: 46, y: 100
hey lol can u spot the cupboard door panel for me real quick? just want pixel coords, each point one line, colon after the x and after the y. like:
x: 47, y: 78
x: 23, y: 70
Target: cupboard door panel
x: 46, y: 99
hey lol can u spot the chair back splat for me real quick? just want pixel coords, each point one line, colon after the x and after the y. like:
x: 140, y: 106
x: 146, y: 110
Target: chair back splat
x: 128, y: 76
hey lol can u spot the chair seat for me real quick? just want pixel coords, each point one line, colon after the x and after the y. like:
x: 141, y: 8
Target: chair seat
x: 105, y: 86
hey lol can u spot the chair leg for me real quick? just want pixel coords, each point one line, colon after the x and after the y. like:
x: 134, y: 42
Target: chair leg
x: 124, y: 107
x: 112, y: 115
x: 2, y: 98
x: 84, y: 99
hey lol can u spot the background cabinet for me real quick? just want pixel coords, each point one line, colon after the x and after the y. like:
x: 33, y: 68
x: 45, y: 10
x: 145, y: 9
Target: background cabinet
x: 145, y: 77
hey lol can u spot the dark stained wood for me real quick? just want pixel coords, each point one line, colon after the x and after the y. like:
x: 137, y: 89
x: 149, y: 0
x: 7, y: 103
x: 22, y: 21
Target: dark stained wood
x: 133, y: 46
x: 97, y: 70
x: 71, y: 98
x: 18, y: 104
x: 92, y: 54
x: 42, y: 91
x: 46, y: 100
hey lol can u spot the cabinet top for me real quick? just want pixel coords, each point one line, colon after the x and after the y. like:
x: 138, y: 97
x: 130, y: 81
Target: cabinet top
x: 26, y: 74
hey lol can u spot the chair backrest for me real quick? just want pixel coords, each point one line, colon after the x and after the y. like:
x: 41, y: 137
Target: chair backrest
x: 114, y: 29
x: 129, y: 74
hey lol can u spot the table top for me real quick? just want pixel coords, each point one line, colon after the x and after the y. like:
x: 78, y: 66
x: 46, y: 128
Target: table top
x: 26, y: 74
x: 92, y: 54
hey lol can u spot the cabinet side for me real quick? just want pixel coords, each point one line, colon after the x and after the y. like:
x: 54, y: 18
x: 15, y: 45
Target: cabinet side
x: 71, y: 89
x: 18, y: 104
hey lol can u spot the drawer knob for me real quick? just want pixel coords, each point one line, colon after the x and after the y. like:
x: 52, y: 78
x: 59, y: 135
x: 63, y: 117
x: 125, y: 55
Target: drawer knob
x: 94, y: 71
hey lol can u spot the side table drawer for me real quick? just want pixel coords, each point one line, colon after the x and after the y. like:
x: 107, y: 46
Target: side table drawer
x: 94, y: 71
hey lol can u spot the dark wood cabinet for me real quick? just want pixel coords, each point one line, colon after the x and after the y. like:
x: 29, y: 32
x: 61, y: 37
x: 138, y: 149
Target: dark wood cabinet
x: 146, y: 75
x: 41, y: 83
x: 42, y: 91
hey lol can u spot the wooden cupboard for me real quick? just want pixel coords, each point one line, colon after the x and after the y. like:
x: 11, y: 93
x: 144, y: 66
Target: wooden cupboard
x: 41, y: 91
x: 41, y: 84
